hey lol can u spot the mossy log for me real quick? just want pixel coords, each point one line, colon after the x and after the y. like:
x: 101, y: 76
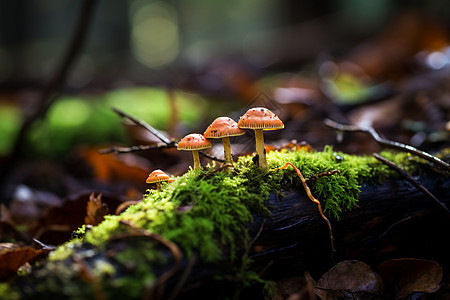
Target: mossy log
x: 392, y: 219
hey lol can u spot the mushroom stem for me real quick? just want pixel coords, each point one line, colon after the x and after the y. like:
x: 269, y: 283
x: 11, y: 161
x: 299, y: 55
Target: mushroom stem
x: 259, y: 137
x: 158, y: 186
x: 196, y: 159
x: 227, y: 150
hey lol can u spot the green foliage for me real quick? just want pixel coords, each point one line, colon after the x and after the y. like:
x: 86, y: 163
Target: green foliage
x: 152, y: 105
x: 10, y: 118
x: 346, y: 88
x: 89, y: 119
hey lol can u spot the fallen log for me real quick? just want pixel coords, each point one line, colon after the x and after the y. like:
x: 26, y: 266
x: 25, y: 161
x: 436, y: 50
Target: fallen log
x: 392, y: 219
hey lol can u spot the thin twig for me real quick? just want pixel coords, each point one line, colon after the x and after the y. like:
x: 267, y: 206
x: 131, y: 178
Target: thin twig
x: 158, y: 284
x: 44, y: 246
x: 209, y: 174
x: 176, y: 252
x: 119, y: 149
x: 145, y: 125
x: 329, y: 173
x: 244, y: 260
x: 124, y: 205
x: 414, y: 182
x: 388, y: 143
x: 256, y: 237
x: 211, y: 157
x: 168, y: 143
x: 308, y: 192
x: 392, y: 226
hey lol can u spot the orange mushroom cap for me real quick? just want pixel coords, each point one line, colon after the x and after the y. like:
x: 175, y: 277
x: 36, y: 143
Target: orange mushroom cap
x: 193, y: 141
x: 223, y: 127
x: 260, y: 118
x: 158, y: 176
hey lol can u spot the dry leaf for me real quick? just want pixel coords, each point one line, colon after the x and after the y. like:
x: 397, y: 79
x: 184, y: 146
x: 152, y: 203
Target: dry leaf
x: 12, y: 257
x: 407, y: 275
x: 350, y: 279
x: 95, y: 210
x: 60, y: 222
x: 112, y: 168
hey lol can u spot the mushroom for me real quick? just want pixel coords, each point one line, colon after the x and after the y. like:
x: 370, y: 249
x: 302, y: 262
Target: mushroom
x: 194, y: 142
x: 259, y: 119
x: 224, y: 127
x: 157, y: 177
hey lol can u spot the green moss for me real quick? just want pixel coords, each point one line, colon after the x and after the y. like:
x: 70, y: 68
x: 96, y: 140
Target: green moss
x: 220, y: 204
x: 205, y: 212
x: 65, y: 250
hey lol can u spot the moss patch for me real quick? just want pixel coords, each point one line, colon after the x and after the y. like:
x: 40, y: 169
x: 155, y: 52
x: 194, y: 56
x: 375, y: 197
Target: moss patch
x: 205, y: 212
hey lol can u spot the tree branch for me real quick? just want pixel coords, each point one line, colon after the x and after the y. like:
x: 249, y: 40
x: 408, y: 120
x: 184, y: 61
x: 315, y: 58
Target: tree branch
x: 168, y: 143
x: 412, y: 181
x: 388, y: 143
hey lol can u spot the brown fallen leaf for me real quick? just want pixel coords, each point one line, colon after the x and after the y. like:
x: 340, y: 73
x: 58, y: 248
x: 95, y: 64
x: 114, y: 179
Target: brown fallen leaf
x: 60, y: 222
x: 406, y: 275
x: 350, y: 279
x: 95, y: 210
x: 12, y: 257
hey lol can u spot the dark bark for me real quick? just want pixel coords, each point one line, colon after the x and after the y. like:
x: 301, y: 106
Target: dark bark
x: 392, y: 220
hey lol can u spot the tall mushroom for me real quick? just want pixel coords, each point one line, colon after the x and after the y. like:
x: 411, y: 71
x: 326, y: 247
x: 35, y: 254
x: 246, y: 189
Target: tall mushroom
x: 224, y: 127
x: 158, y: 176
x: 194, y: 142
x: 259, y: 119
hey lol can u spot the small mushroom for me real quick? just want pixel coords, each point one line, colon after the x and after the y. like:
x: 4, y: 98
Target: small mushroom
x: 194, y: 142
x: 259, y: 119
x: 224, y: 127
x: 157, y: 177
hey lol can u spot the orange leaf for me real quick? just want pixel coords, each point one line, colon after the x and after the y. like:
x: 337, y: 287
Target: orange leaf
x: 95, y: 210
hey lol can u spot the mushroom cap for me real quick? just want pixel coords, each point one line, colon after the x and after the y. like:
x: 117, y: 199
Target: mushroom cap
x: 158, y: 176
x: 223, y: 127
x: 193, y: 141
x: 260, y: 118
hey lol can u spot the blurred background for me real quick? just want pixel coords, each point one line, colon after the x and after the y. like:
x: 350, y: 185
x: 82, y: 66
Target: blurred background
x: 178, y: 65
